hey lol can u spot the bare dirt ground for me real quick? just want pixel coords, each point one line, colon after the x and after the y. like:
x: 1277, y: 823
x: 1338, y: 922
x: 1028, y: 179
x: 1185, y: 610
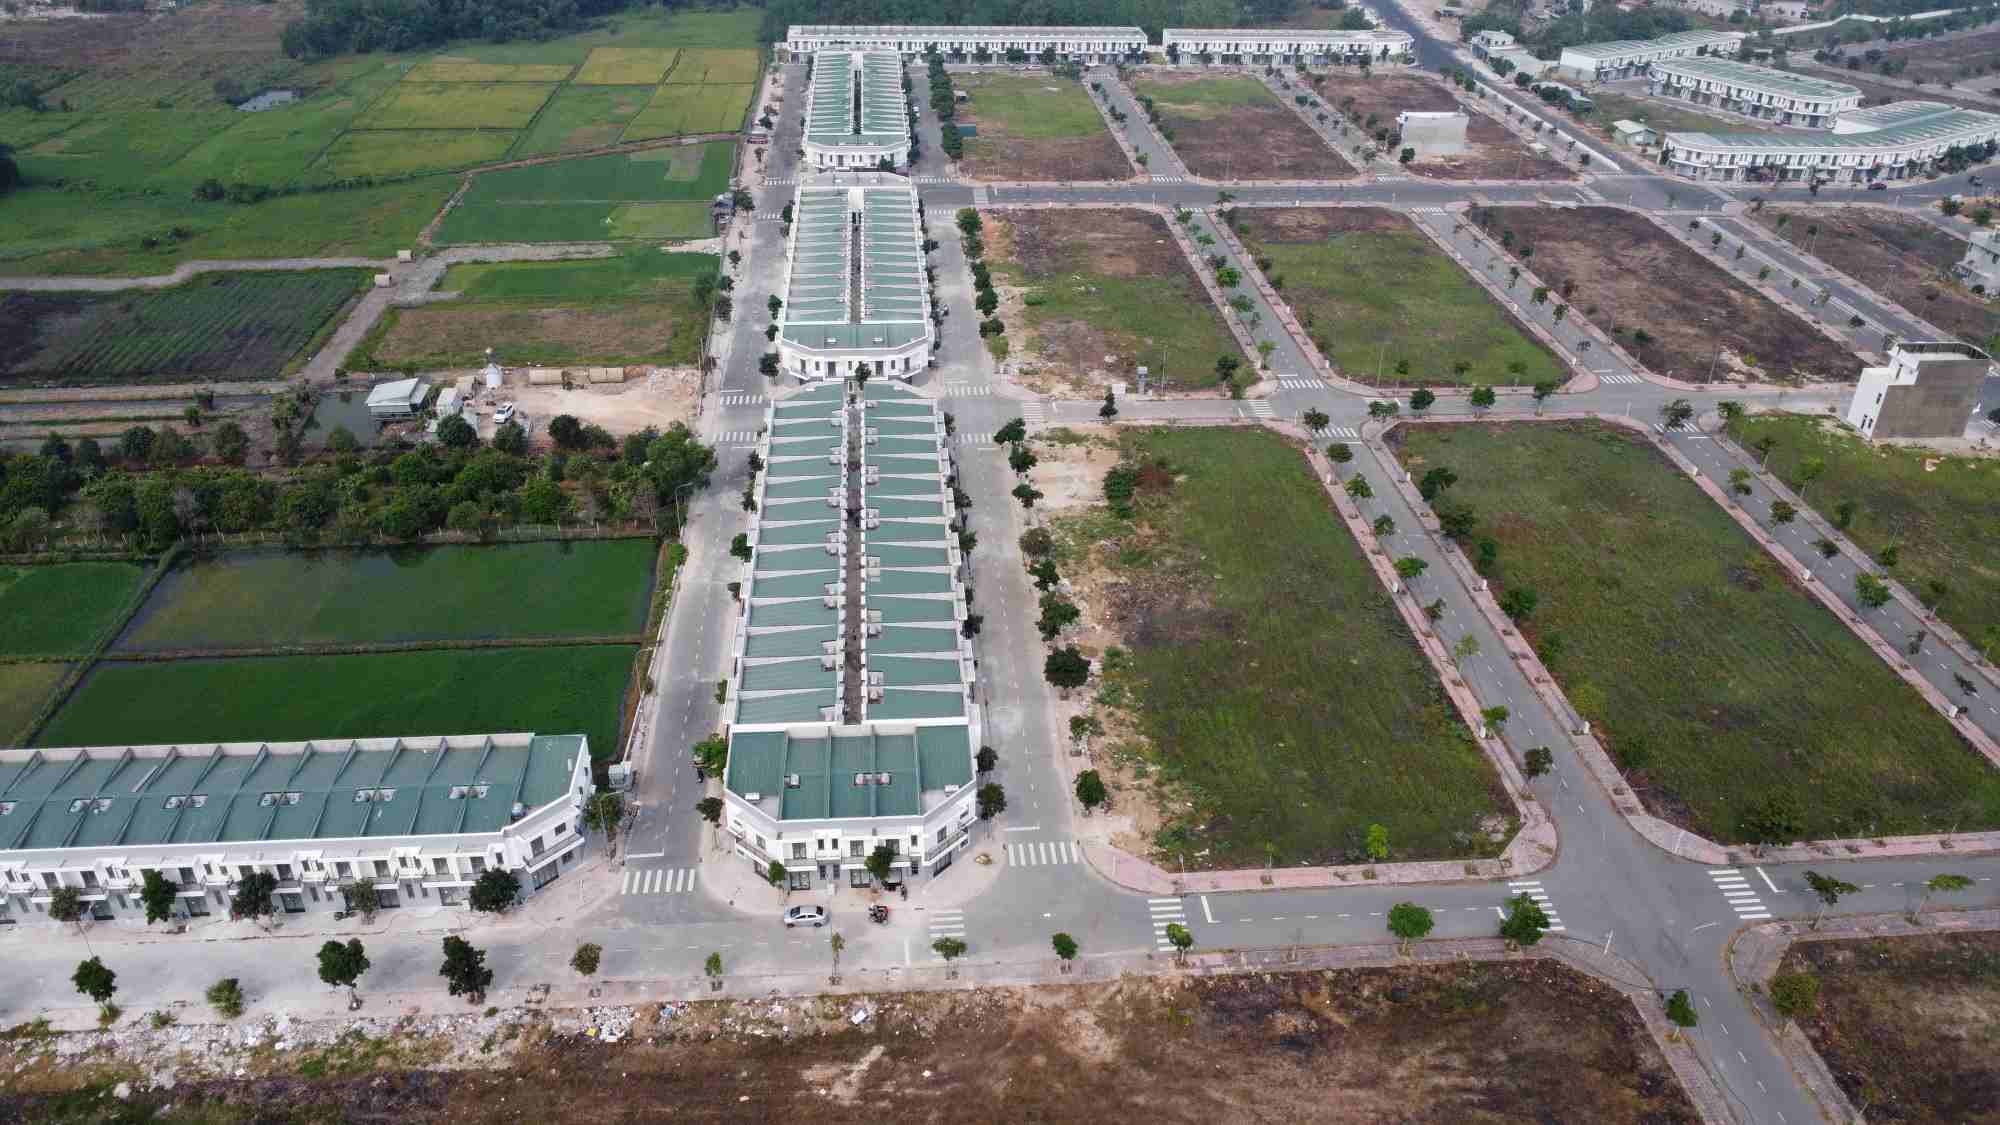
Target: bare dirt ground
x: 1458, y: 1044
x: 118, y: 41
x: 997, y: 154
x: 622, y: 331
x: 1939, y: 60
x: 1907, y: 260
x: 657, y: 400
x: 1266, y: 141
x: 1631, y: 277
x: 1908, y: 1025
x: 1496, y: 153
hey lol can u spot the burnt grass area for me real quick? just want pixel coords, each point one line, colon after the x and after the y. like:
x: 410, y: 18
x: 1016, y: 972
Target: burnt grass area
x: 1908, y: 1025
x: 1520, y: 1041
x: 1665, y: 303
x: 1494, y: 152
x: 1905, y: 259
x: 1223, y: 129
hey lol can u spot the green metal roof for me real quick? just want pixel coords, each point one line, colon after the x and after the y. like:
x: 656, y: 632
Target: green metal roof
x: 906, y: 639
x: 772, y: 560
x: 793, y: 707
x: 907, y: 531
x: 915, y: 671
x: 788, y: 642
x: 899, y: 427
x: 898, y: 408
x: 1717, y: 69
x: 787, y: 675
x: 908, y: 554
x: 794, y: 534
x: 1947, y: 125
x: 811, y: 584
x: 892, y: 508
x: 801, y: 485
x: 910, y: 582
x: 904, y: 611
x: 816, y: 776
x: 909, y: 703
x: 855, y: 270
x: 905, y: 445
x: 806, y: 611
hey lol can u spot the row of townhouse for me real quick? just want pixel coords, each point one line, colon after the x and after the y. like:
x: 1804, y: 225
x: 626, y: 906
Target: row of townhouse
x: 1292, y: 46
x: 1754, y: 91
x: 1627, y: 58
x: 855, y: 112
x: 855, y: 718
x: 417, y: 818
x: 1891, y: 142
x: 1287, y: 46
x: 857, y: 290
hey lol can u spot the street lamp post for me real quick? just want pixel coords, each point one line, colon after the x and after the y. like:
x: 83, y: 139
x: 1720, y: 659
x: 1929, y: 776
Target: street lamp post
x: 681, y: 506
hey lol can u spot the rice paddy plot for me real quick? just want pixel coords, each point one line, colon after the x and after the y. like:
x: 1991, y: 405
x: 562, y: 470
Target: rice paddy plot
x: 222, y: 327
x: 683, y: 172
x: 684, y: 110
x: 122, y: 149
x: 583, y: 117
x: 661, y: 220
x: 550, y: 690
x: 715, y: 66
x: 61, y: 610
x: 457, y: 105
x: 461, y: 70
x: 625, y: 66
x: 400, y: 152
x: 263, y: 599
x: 275, y: 146
x: 23, y: 690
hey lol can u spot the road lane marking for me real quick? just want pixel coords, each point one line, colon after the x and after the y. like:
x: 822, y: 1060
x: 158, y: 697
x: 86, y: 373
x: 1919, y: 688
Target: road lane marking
x: 1205, y: 912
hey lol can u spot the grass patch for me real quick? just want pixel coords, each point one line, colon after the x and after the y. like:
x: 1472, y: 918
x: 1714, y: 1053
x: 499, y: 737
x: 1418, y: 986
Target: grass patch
x: 457, y: 105
x: 1715, y: 682
x: 1663, y: 115
x: 717, y: 66
x: 1944, y: 522
x: 679, y: 221
x: 549, y: 690
x: 401, y: 152
x: 23, y: 690
x: 636, y: 272
x: 1037, y: 127
x: 1359, y: 277
x: 122, y: 150
x: 444, y: 69
x: 626, y: 66
x: 60, y: 610
x: 588, y: 198
x: 583, y: 117
x: 678, y: 110
x: 221, y: 326
x: 1902, y: 256
x: 270, y: 599
x: 1281, y: 691
x: 536, y: 334
x: 47, y: 230
x: 275, y: 146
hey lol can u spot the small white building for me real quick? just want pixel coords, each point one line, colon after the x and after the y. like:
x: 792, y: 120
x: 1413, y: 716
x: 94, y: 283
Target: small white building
x: 1927, y: 390
x: 1754, y: 91
x: 1484, y: 43
x: 1980, y: 268
x: 399, y: 399
x: 1625, y: 58
x: 1432, y: 134
x: 1634, y: 133
x: 1286, y: 46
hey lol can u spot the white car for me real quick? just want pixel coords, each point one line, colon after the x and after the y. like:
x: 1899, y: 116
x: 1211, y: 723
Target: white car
x: 814, y: 916
x: 503, y: 415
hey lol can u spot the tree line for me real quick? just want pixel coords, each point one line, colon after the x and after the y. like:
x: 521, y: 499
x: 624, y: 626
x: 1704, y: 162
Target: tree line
x: 1602, y: 23
x: 336, y: 27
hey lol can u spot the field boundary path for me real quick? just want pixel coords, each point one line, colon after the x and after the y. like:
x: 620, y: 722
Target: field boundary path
x: 186, y: 271
x: 1756, y: 953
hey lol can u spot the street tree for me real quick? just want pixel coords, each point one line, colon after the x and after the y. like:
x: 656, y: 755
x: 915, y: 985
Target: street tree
x: 1090, y: 791
x: 341, y: 964
x: 1467, y: 646
x: 1764, y: 445
x: 1739, y: 481
x: 1179, y: 937
x: 1045, y: 574
x: 226, y: 997
x: 1066, y: 668
x: 1315, y: 419
x: 1434, y: 481
x: 1027, y: 494
x: 1020, y: 458
x: 1058, y: 613
x: 1843, y: 514
x: 1519, y: 602
x: 1795, y: 994
x: 1110, y: 408
x: 158, y: 896
x: 1410, y: 567
x: 710, y: 755
x: 1870, y: 590
x: 949, y: 948
x: 1538, y: 761
x: 992, y: 800
x: 1730, y: 409
x: 1829, y: 890
x: 1542, y: 391
x: 1809, y: 470
x: 774, y: 874
x: 1065, y: 947
x: 1340, y: 453
x: 710, y: 809
x: 253, y: 897
x: 97, y: 982
x: 1422, y: 399
x: 494, y: 891
x: 881, y: 862
x: 1680, y: 1010
x: 1524, y: 921
x: 604, y: 812
x: 1495, y: 715
x: 1782, y: 512
x: 1940, y: 884
x: 586, y: 959
x: 1012, y: 433
x: 1358, y: 487
x: 1410, y: 923
x: 1677, y: 413
x: 1378, y: 843
x: 464, y: 969
x: 1385, y: 524
x: 1482, y: 398
x: 986, y: 759
x: 712, y: 968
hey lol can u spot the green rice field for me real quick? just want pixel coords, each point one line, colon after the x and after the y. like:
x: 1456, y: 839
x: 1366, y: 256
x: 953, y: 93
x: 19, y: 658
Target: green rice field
x: 626, y: 66
x: 551, y: 690
x: 220, y: 327
x: 594, y: 588
x: 1717, y: 684
x: 583, y: 117
x: 61, y: 610
x: 716, y: 66
x: 402, y: 152
x: 447, y: 69
x: 639, y: 272
x: 654, y: 194
x: 457, y: 105
x: 23, y: 690
x: 675, y: 110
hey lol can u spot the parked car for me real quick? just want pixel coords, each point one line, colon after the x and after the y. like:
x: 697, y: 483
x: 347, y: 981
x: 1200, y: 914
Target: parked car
x: 1878, y: 186
x: 814, y: 916
x: 503, y: 415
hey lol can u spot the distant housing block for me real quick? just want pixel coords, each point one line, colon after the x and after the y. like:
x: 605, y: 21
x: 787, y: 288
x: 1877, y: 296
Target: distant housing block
x: 1754, y: 91
x: 856, y: 294
x: 1624, y: 58
x: 1287, y: 46
x: 1074, y: 44
x: 1927, y: 390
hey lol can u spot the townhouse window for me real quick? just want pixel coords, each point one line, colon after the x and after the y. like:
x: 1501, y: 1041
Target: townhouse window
x: 50, y: 880
x: 535, y: 846
x: 913, y: 840
x: 798, y: 851
x: 342, y: 869
x: 761, y: 846
x: 89, y: 879
x: 381, y: 869
x: 440, y: 867
x: 478, y: 864
x: 854, y: 848
x: 941, y: 833
x: 284, y: 872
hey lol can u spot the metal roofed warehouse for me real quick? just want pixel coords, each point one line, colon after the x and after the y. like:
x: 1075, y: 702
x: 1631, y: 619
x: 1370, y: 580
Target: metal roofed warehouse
x: 857, y: 295
x: 416, y: 817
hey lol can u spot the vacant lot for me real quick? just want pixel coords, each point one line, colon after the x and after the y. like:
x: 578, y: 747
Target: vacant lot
x: 660, y: 193
x: 677, y: 109
x: 61, y: 610
x: 1234, y: 129
x: 219, y: 327
x: 271, y: 599
x: 583, y: 117
x: 553, y: 690
x: 1949, y: 60
x: 1234, y: 594
x: 23, y: 690
x: 1942, y: 513
x: 1680, y: 314
x: 1907, y: 1025
x: 1702, y: 666
x: 1036, y: 127
x: 626, y: 66
x: 1359, y: 278
x: 1493, y: 153
x: 1906, y: 259
x: 1665, y: 115
x: 1440, y: 1045
x: 1103, y: 293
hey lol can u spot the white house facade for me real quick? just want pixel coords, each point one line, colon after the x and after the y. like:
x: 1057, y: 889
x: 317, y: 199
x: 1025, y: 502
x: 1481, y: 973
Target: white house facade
x: 857, y: 295
x: 417, y: 818
x: 1850, y: 155
x: 855, y: 115
x: 1075, y: 44
x: 852, y: 722
x: 1754, y: 91
x: 1625, y: 58
x: 1288, y: 46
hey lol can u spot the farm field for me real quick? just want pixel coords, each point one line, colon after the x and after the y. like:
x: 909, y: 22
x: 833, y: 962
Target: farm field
x: 549, y: 690
x: 1495, y: 153
x: 716, y: 67
x: 1356, y: 277
x: 583, y: 117
x: 1235, y: 550
x: 1904, y: 1023
x: 62, y: 609
x: 445, y: 68
x: 1704, y: 669
x: 635, y: 272
x: 24, y: 688
x: 219, y: 327
x: 1942, y: 513
x: 1234, y: 128
x: 626, y: 66
x: 275, y: 599
x: 1036, y: 127
x: 457, y: 105
x: 1091, y: 284
x: 1665, y: 303
x: 659, y: 193
x: 1906, y: 259
x: 401, y: 152
x: 677, y: 109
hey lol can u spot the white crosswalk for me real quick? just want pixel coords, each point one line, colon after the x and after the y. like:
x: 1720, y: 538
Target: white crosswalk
x: 1165, y: 911
x: 1043, y: 853
x: 1261, y: 407
x: 1169, y: 179
x: 1619, y: 379
x: 1533, y: 889
x: 967, y: 390
x: 1340, y: 432
x: 1736, y: 889
x: 788, y: 181
x: 1034, y: 413
x: 738, y: 437
x: 973, y: 441
x: 737, y: 398
x: 932, y: 180
x: 947, y: 924
x: 658, y: 880
x: 1430, y: 210
x: 1301, y: 383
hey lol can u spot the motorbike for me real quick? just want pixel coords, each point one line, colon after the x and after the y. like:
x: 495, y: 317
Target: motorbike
x: 878, y: 914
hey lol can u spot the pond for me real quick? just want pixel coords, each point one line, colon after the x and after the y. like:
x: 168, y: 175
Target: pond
x: 269, y: 99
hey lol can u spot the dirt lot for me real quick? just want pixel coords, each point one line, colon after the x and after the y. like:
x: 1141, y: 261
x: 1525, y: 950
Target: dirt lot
x: 450, y: 334
x: 1907, y: 260
x: 1944, y: 60
x: 1263, y: 140
x: 1036, y: 128
x: 1907, y: 1025
x: 1496, y: 153
x: 1471, y: 1043
x: 658, y: 400
x: 1667, y: 304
